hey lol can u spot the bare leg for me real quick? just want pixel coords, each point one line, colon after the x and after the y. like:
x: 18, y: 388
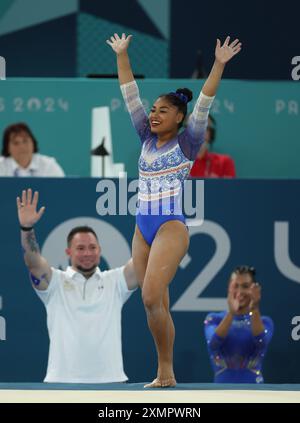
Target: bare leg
x: 167, y: 250
x: 140, y: 254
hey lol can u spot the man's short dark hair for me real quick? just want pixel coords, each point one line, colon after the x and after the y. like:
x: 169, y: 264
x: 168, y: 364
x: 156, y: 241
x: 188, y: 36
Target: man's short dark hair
x: 80, y: 229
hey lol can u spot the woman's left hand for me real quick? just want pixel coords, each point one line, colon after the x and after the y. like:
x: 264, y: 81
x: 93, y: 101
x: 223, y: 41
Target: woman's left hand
x: 225, y: 52
x: 255, y: 293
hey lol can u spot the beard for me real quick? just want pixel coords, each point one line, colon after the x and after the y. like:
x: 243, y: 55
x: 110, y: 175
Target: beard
x: 87, y: 269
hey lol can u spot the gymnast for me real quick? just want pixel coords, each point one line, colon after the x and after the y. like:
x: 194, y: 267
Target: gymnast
x: 238, y: 339
x: 161, y: 237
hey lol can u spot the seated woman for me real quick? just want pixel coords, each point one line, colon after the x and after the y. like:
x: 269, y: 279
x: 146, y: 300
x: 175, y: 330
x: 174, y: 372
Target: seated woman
x: 237, y: 340
x: 20, y: 155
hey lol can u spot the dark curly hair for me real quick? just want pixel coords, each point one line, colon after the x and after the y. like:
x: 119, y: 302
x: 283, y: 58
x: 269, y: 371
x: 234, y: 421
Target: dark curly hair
x: 179, y: 99
x: 244, y: 270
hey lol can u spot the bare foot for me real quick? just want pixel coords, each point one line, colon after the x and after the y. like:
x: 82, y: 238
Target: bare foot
x: 162, y: 383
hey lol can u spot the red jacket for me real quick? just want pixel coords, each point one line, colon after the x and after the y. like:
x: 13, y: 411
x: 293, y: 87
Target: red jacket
x: 213, y: 165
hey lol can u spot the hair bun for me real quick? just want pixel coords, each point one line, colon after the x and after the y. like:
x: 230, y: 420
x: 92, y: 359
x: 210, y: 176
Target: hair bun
x: 185, y: 91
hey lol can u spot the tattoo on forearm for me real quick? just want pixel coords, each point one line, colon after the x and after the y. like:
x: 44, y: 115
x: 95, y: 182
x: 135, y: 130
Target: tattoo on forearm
x: 32, y: 242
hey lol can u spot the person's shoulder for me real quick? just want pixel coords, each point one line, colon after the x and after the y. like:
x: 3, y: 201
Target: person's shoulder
x: 267, y: 321
x: 227, y: 159
x: 4, y: 160
x: 43, y: 158
x: 214, y: 317
x: 115, y: 280
x: 58, y: 274
x: 112, y: 273
x: 7, y: 166
x: 220, y: 156
x: 47, y: 165
x: 54, y: 283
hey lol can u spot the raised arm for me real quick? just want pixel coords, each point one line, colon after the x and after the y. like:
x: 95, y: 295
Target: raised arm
x: 223, y: 54
x: 130, y: 275
x: 129, y: 87
x: 28, y: 216
x: 120, y: 47
x: 191, y: 141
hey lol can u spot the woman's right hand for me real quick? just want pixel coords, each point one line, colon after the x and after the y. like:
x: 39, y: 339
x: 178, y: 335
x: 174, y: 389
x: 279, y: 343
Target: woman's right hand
x: 27, y: 208
x: 119, y: 45
x: 233, y: 302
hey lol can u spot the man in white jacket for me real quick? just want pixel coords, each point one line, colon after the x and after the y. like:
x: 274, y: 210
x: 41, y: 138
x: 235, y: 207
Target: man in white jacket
x: 83, y: 304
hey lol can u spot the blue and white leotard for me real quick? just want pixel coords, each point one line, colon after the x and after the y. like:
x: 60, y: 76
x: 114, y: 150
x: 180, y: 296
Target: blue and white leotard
x: 162, y: 171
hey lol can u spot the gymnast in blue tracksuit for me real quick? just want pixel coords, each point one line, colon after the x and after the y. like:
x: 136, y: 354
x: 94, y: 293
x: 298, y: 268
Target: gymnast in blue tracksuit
x: 161, y: 238
x: 237, y: 340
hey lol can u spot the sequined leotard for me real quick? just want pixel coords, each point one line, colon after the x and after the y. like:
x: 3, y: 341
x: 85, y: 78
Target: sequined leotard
x: 162, y: 171
x: 238, y: 357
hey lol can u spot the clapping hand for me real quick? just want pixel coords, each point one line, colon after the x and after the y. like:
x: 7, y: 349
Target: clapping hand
x: 233, y: 302
x: 255, y: 293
